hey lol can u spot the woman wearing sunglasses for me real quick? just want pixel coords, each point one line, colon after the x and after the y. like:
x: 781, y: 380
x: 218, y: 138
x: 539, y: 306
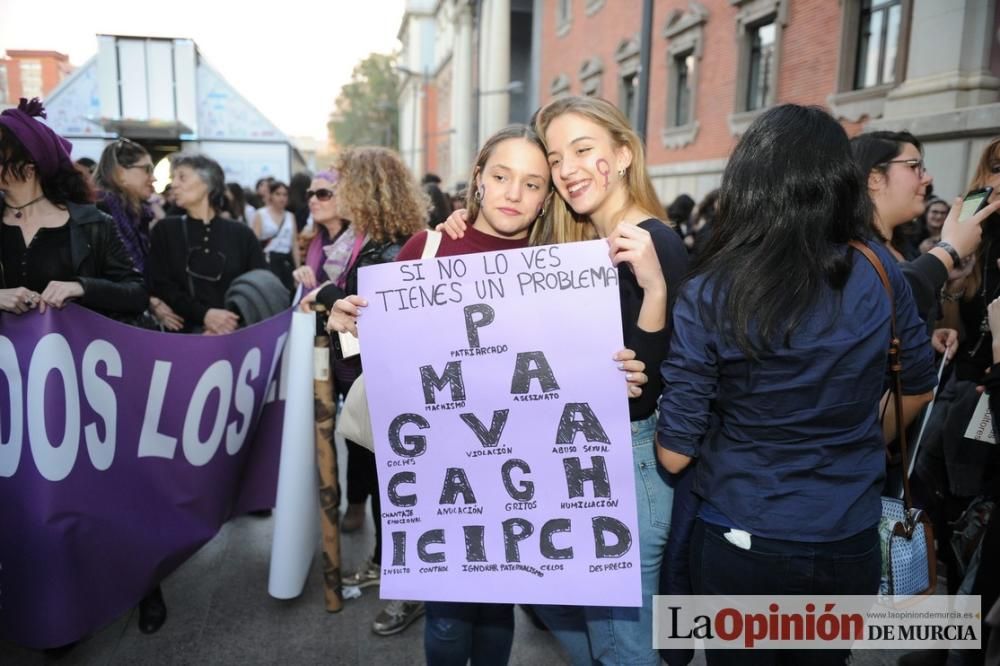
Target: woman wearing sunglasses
x: 382, y: 200
x: 326, y: 258
x: 195, y: 257
x: 124, y: 176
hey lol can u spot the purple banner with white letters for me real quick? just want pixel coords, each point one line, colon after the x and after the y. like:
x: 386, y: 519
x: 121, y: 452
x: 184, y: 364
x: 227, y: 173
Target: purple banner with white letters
x: 122, y: 451
x: 501, y: 427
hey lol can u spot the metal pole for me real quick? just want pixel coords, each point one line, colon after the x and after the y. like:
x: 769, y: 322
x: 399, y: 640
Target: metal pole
x: 413, y: 132
x: 427, y: 122
x: 645, y: 47
x: 477, y: 24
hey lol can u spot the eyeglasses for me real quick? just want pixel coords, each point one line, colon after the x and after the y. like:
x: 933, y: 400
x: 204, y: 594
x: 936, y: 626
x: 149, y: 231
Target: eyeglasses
x: 206, y: 264
x: 323, y: 194
x: 148, y: 168
x: 915, y: 164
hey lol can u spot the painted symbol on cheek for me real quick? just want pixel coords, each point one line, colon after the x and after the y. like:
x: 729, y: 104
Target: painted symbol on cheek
x: 604, y: 169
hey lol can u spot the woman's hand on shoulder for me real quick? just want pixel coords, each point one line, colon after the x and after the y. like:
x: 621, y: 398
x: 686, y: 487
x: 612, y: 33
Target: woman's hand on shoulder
x: 633, y: 245
x: 455, y: 225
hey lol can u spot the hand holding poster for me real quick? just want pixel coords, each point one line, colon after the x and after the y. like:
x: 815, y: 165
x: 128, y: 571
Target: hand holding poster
x: 501, y: 427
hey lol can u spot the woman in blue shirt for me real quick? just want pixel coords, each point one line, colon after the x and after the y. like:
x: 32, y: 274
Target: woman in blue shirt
x: 775, y: 372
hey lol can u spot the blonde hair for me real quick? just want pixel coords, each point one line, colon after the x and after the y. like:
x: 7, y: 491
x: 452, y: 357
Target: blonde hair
x: 564, y: 225
x: 379, y: 195
x: 990, y: 154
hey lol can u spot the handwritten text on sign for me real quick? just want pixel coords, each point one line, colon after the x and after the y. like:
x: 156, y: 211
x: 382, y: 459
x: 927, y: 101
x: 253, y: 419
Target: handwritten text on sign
x: 502, y: 429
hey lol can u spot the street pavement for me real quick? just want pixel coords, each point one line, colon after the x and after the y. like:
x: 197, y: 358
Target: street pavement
x: 219, y: 612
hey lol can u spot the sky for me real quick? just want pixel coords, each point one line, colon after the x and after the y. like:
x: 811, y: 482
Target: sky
x: 289, y: 58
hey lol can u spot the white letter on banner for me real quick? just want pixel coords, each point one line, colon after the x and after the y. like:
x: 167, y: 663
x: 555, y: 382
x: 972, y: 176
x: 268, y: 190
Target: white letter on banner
x: 244, y: 401
x: 276, y: 381
x: 53, y: 354
x: 219, y: 376
x: 10, y: 450
x: 152, y: 443
x: 102, y: 400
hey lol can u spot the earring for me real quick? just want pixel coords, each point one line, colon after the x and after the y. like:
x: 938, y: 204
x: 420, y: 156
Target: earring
x: 478, y: 196
x: 621, y: 173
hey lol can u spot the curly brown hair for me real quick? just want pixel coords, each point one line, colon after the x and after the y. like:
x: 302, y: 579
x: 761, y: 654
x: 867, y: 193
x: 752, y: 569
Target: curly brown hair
x: 379, y: 195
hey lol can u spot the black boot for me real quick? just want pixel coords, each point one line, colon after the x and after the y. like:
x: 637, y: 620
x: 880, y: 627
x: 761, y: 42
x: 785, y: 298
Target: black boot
x: 152, y: 612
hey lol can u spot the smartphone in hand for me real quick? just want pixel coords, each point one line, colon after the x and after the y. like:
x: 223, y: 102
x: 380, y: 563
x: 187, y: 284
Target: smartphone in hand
x: 974, y: 202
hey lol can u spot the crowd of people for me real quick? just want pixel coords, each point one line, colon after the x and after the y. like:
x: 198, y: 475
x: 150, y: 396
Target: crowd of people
x: 756, y: 334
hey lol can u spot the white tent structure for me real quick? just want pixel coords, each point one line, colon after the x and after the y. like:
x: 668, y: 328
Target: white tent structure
x: 162, y: 93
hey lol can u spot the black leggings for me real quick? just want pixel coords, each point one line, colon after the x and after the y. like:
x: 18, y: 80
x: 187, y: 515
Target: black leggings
x: 362, y: 481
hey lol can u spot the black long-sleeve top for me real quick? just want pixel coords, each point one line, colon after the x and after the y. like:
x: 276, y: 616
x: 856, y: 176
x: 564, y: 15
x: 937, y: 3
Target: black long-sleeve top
x: 925, y: 275
x: 86, y: 250
x: 191, y: 272
x: 651, y: 346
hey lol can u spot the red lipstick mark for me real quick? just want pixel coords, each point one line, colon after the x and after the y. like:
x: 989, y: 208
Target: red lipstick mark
x: 604, y: 169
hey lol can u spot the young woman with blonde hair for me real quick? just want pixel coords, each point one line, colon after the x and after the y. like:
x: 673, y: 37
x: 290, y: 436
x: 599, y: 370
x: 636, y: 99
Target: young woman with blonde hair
x: 598, y: 168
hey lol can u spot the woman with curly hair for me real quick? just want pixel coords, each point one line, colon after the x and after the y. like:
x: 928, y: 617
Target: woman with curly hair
x: 384, y: 206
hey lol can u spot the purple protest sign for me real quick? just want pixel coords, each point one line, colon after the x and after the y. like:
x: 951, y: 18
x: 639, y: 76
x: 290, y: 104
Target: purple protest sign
x: 122, y: 451
x: 501, y: 428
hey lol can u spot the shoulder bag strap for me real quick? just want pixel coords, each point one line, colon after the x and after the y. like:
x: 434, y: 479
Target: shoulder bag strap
x: 431, y: 244
x: 187, y: 254
x: 895, y: 364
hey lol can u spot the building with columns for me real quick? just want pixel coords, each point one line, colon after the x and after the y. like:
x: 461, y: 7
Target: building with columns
x: 928, y: 66
x: 468, y: 67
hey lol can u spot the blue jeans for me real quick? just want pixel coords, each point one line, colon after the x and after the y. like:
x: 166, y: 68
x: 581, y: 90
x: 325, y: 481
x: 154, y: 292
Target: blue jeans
x: 455, y: 633
x: 776, y: 567
x: 620, y: 635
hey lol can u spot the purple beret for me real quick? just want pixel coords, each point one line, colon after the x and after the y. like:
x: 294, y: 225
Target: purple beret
x: 50, y: 152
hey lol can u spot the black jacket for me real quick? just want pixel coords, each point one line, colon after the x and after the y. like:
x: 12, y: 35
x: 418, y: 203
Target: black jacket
x: 371, y: 254
x: 111, y: 284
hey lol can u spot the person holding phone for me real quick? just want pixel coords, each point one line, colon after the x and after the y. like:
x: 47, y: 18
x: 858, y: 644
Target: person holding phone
x: 950, y: 468
x: 897, y: 180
